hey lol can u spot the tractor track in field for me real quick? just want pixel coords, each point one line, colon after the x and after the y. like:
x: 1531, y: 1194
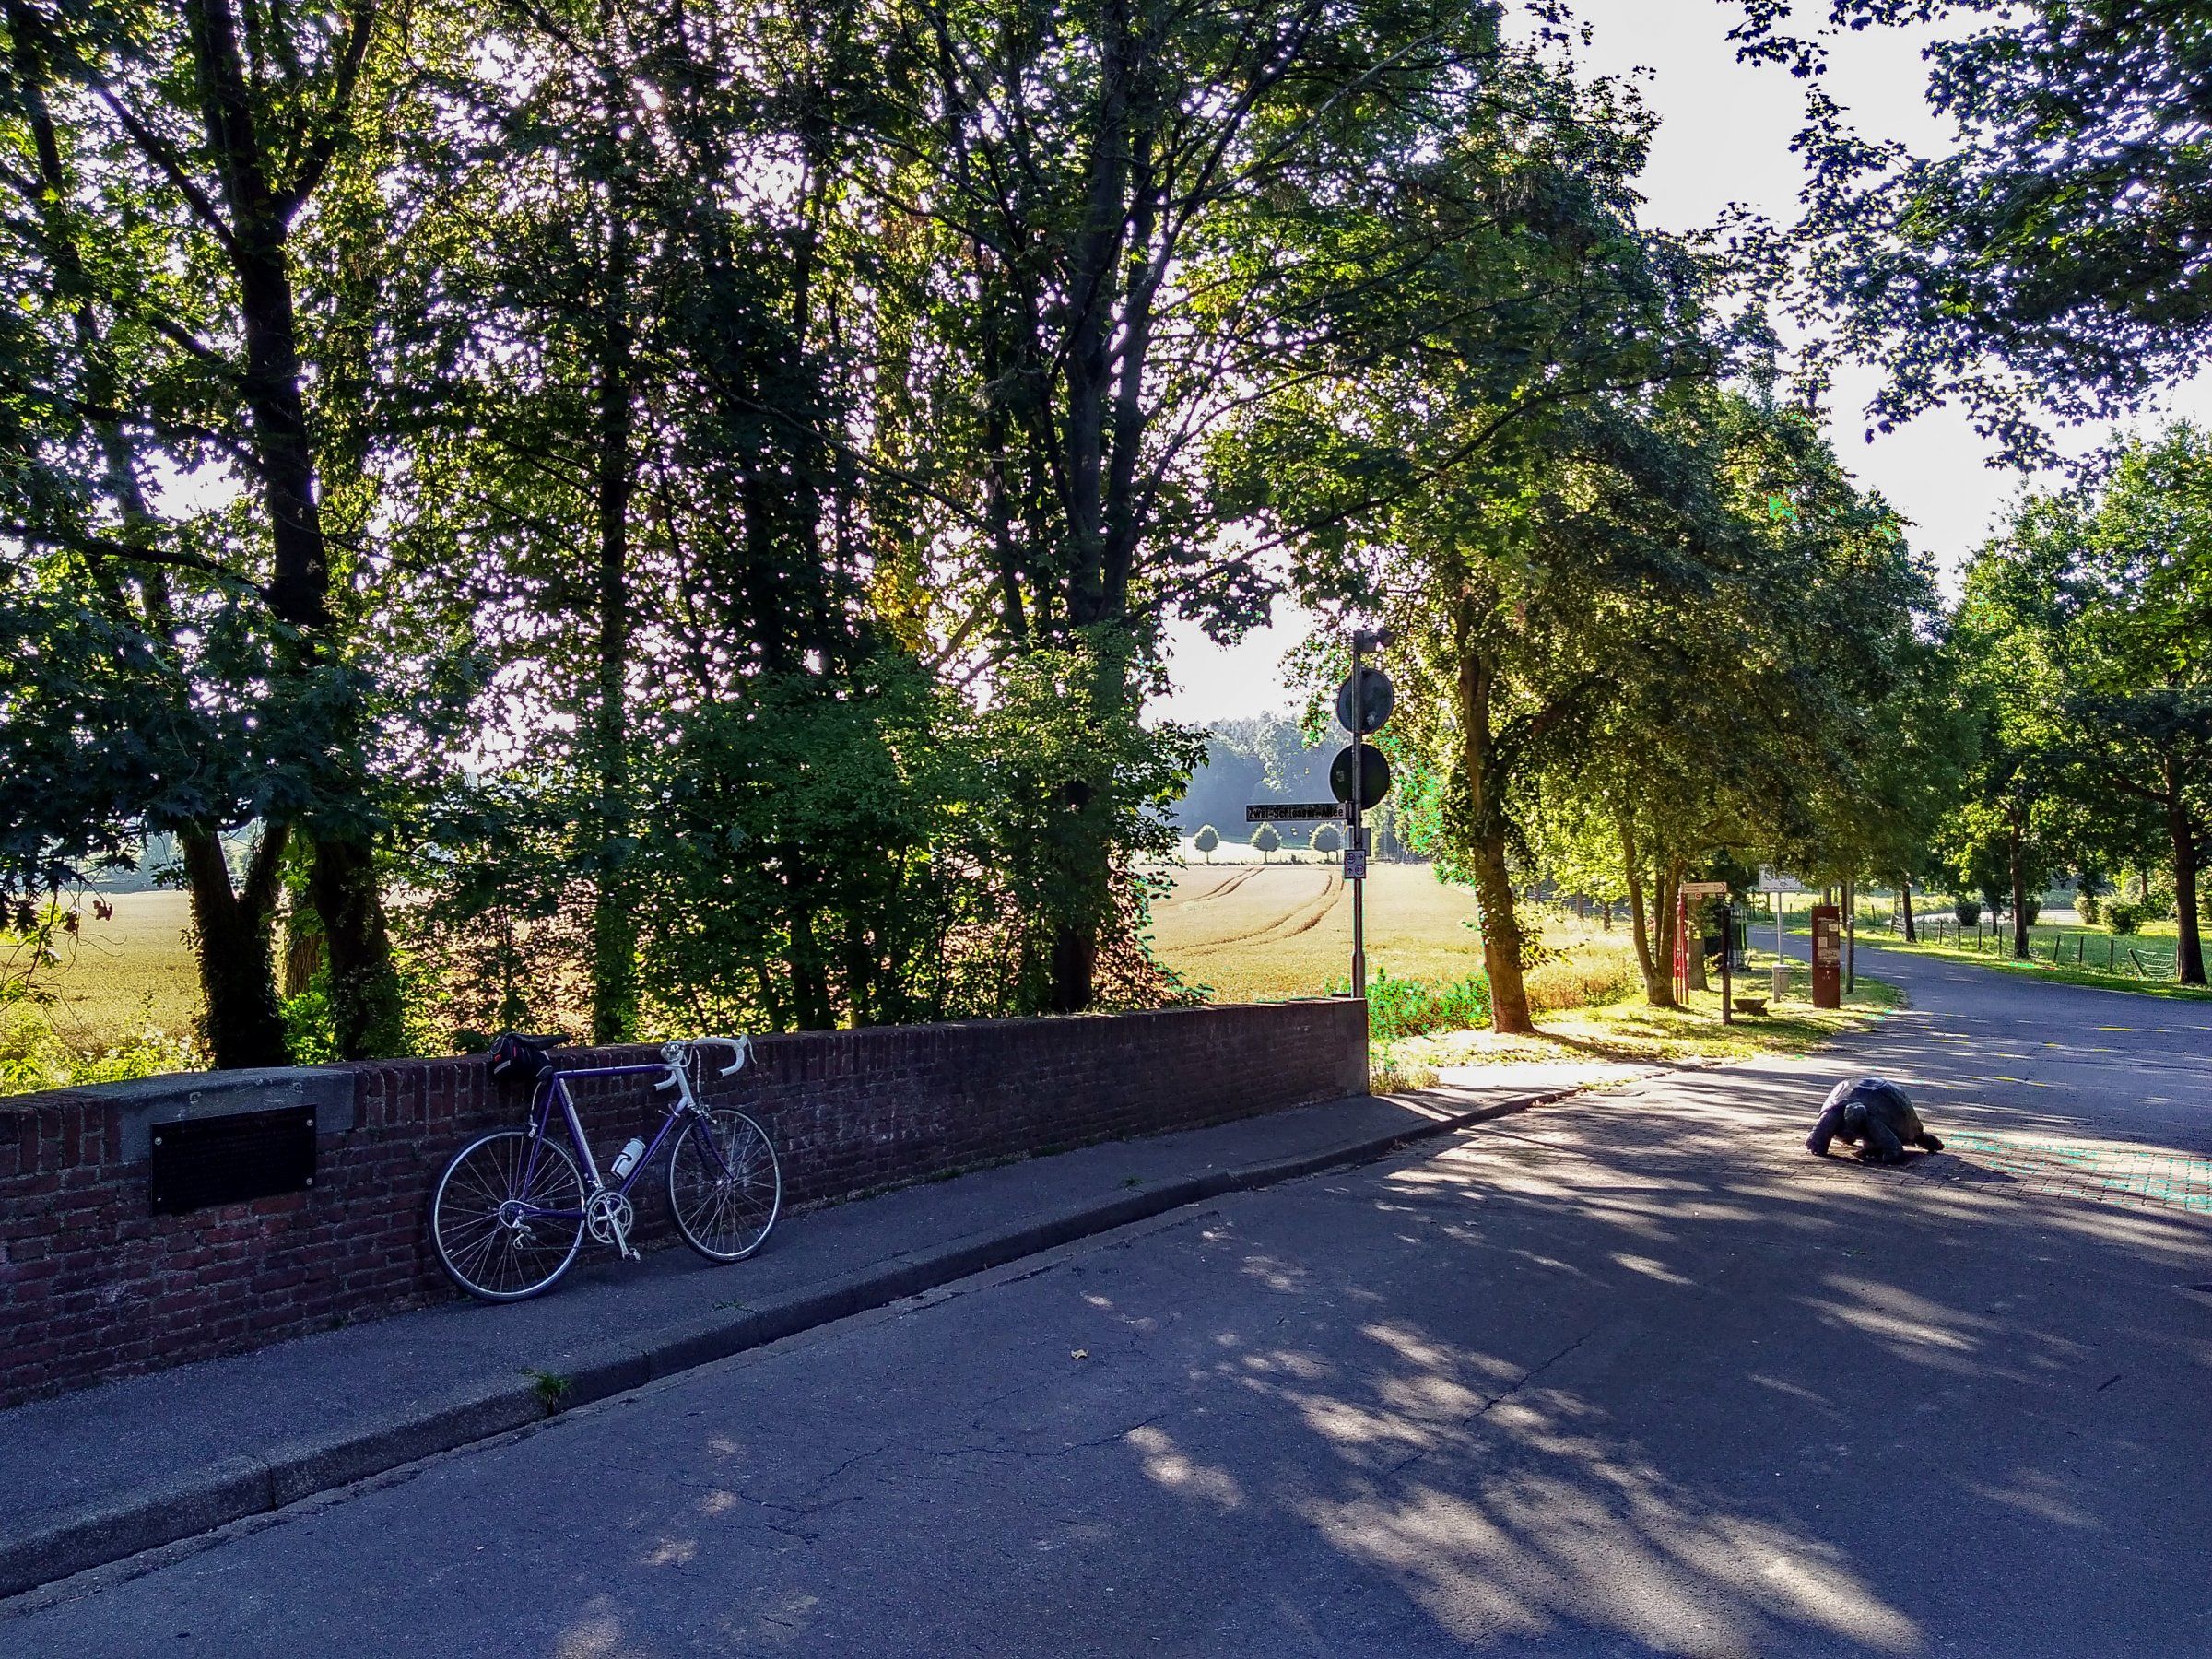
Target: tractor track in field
x: 1318, y: 905
x: 1227, y: 884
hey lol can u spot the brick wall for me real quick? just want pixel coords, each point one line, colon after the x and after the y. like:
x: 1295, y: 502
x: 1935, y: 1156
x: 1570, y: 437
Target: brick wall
x: 93, y: 1285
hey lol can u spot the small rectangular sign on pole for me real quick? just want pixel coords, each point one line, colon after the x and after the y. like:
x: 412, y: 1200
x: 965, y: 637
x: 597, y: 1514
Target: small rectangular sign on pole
x: 1774, y: 881
x: 1695, y: 890
x: 1280, y: 811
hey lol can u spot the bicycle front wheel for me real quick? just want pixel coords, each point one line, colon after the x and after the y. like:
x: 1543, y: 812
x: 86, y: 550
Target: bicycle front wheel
x: 724, y: 1185
x: 486, y: 1216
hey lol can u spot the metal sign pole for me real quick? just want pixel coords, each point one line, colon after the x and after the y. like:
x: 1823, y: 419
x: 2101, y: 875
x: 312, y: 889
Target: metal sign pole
x: 1358, y: 839
x: 1727, y: 956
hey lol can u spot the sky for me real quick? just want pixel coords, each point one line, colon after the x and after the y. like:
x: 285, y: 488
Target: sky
x: 1724, y: 131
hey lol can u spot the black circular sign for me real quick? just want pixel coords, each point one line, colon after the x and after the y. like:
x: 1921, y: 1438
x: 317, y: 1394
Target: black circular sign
x: 1374, y: 774
x: 1377, y: 698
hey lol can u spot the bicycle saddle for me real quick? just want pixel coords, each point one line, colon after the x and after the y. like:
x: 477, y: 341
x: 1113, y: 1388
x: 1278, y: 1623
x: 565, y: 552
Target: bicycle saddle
x: 525, y: 1059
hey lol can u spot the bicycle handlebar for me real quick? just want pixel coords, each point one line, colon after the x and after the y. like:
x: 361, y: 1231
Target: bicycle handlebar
x: 677, y: 1052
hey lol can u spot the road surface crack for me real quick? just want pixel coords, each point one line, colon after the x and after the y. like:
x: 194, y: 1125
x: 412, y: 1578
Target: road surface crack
x: 1491, y: 1403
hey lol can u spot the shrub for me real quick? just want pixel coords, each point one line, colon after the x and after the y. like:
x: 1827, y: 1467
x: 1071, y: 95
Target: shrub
x: 1967, y: 911
x: 2086, y: 906
x: 2122, y: 919
x: 1404, y: 1007
x: 2034, y: 907
x: 33, y: 1057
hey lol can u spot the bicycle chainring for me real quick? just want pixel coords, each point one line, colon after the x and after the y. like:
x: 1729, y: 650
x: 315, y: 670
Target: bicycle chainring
x: 609, y: 1217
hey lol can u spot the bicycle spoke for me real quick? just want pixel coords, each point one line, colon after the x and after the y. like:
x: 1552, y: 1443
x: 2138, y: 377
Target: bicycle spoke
x: 723, y: 1184
x: 489, y: 1218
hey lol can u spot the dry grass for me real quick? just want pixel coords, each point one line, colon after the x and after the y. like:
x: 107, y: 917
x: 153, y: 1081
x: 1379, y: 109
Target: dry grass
x: 1630, y: 1029
x: 125, y: 976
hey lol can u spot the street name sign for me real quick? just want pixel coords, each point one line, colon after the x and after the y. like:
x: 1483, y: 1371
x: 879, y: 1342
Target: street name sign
x: 1278, y: 811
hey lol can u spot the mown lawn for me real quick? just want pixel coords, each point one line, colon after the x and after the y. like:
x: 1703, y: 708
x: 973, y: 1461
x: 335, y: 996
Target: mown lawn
x: 2069, y: 953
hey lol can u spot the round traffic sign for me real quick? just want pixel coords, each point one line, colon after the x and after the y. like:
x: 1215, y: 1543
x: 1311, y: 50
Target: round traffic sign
x: 1376, y: 701
x: 1374, y: 774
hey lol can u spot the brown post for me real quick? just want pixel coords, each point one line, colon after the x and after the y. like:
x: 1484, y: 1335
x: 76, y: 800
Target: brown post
x: 1827, y: 956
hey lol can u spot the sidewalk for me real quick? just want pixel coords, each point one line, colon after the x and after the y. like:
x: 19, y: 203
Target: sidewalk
x: 110, y: 1471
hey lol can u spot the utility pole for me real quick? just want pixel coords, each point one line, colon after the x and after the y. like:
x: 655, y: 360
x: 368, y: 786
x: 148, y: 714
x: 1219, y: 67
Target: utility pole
x: 1355, y: 861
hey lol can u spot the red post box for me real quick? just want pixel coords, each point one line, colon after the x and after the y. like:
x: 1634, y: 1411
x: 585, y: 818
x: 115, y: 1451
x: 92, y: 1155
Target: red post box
x: 1827, y: 956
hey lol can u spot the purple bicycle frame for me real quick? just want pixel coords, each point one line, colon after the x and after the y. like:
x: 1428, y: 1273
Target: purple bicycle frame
x: 541, y: 1111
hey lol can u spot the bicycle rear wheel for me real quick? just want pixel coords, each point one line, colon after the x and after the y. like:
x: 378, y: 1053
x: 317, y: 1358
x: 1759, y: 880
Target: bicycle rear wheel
x: 724, y: 1185
x: 482, y: 1225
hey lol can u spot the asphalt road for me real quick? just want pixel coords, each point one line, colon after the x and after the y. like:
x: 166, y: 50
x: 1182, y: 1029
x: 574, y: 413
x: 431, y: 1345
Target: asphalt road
x: 1630, y: 1374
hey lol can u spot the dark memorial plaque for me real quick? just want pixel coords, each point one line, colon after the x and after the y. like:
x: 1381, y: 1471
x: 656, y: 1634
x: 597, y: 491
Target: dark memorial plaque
x: 199, y: 1162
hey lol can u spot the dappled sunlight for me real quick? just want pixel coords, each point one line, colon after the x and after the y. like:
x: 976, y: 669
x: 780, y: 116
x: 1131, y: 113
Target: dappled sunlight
x: 1505, y: 1505
x: 1533, y: 1553
x: 1170, y: 1468
x: 1650, y: 1269
x: 671, y: 1552
x: 2033, y: 1493
x: 1274, y: 1272
x: 598, y: 1634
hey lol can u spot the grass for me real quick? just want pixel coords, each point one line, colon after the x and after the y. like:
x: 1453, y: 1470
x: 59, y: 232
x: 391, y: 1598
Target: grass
x: 1630, y: 1029
x: 2156, y: 949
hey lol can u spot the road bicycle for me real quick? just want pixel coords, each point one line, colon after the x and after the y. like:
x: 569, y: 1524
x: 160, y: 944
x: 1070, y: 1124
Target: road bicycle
x: 510, y: 1213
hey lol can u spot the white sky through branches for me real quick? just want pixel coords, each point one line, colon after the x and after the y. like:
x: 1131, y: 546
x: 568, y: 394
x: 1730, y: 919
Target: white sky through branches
x: 1724, y: 132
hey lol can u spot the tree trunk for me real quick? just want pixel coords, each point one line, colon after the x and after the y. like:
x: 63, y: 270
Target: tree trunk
x: 243, y: 1024
x: 2019, y: 897
x: 1502, y: 937
x: 614, y: 938
x: 1904, y: 901
x: 364, y: 991
x: 1637, y: 930
x: 2189, y: 949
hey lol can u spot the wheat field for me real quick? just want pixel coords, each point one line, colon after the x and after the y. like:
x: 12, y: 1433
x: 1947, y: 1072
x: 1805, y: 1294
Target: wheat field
x: 130, y: 975
x: 1257, y: 933
x: 1245, y: 932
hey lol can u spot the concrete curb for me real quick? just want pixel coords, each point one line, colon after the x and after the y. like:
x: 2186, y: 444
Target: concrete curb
x: 242, y: 1486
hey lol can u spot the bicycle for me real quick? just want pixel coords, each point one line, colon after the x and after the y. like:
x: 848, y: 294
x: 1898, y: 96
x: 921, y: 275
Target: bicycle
x: 509, y: 1215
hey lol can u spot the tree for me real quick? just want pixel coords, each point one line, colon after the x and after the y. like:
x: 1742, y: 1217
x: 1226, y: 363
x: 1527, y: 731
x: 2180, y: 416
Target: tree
x: 2008, y: 835
x: 1327, y: 837
x: 1264, y: 840
x: 1138, y: 228
x: 2104, y: 599
x: 173, y: 159
x: 1206, y: 841
x: 2051, y: 264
